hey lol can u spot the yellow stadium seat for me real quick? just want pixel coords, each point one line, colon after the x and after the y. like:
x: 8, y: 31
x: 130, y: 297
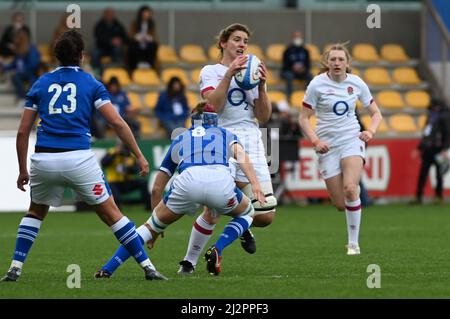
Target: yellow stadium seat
x: 135, y: 100
x: 145, y: 77
x: 366, y: 120
x: 393, y: 53
x: 390, y: 99
x: 45, y: 52
x: 314, y: 52
x: 297, y: 98
x: 377, y: 76
x: 274, y: 52
x: 365, y: 52
x: 315, y: 70
x: 356, y: 71
x: 120, y: 73
x: 276, y: 96
x: 421, y: 121
x: 193, y: 53
x: 188, y: 123
x: 327, y: 47
x: 255, y: 50
x: 195, y: 75
x: 167, y: 54
x: 417, y: 99
x: 214, y: 53
x: 147, y: 128
x: 150, y: 99
x: 272, y: 78
x: 167, y: 74
x: 105, y: 60
x: 406, y: 76
x: 193, y: 99
x: 402, y: 123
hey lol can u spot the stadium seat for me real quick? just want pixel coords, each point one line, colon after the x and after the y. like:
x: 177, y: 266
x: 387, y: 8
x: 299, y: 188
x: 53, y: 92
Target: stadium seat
x: 366, y: 120
x: 406, y: 76
x: 377, y: 76
x: 145, y: 77
x: 167, y: 54
x: 135, y: 100
x: 150, y: 100
x: 418, y: 99
x: 315, y: 70
x: 274, y: 52
x: 356, y: 71
x: 393, y: 53
x: 272, y: 78
x: 297, y: 98
x: 147, y: 128
x: 314, y: 52
x: 402, y: 123
x: 46, y: 54
x: 195, y: 75
x: 193, y: 99
x: 255, y: 50
x: 213, y: 53
x: 327, y: 47
x: 390, y: 99
x: 276, y: 96
x: 166, y: 74
x: 365, y: 52
x: 120, y: 73
x: 193, y: 53
x: 421, y: 121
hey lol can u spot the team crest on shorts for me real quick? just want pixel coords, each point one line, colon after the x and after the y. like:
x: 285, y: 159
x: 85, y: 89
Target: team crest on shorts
x: 350, y: 90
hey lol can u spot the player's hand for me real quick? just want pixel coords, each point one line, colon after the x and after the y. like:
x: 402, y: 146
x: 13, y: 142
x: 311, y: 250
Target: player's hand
x: 365, y: 136
x: 258, y: 194
x: 321, y: 147
x: 238, y: 64
x: 23, y: 180
x: 143, y: 165
x: 262, y: 74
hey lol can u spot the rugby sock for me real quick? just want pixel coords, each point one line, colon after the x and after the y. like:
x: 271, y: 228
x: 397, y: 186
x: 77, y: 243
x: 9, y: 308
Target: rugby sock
x: 353, y: 215
x: 122, y: 254
x: 200, y: 234
x: 233, y: 230
x: 125, y: 232
x: 26, y: 234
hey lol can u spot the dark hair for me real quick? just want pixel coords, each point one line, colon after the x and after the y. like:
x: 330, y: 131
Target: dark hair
x: 170, y: 92
x: 151, y: 22
x: 225, y: 34
x: 113, y: 80
x: 69, y: 47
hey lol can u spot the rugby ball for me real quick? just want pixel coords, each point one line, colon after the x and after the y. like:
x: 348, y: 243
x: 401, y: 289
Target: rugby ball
x: 248, y: 78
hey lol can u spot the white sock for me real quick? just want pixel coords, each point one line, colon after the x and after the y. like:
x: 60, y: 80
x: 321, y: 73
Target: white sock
x: 353, y: 215
x: 200, y: 234
x: 17, y: 264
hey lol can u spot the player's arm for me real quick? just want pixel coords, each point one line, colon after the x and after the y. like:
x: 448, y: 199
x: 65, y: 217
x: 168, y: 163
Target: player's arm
x: 263, y: 107
x: 249, y: 171
x: 161, y: 180
x: 218, y: 96
x: 305, y: 124
x: 23, y: 135
x: 376, y: 117
x: 123, y: 131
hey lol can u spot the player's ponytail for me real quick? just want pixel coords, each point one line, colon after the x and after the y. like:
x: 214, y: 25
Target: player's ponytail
x: 69, y: 47
x: 339, y: 47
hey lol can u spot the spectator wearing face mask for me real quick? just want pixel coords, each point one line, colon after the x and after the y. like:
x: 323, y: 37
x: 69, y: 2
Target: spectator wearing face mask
x: 7, y: 48
x: 296, y: 63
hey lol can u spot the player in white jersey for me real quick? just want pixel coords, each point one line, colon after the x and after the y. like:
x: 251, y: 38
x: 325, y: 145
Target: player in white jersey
x: 240, y: 112
x: 340, y: 145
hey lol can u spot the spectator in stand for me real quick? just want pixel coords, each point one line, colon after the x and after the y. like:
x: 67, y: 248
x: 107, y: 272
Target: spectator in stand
x: 110, y: 38
x: 296, y: 63
x: 7, y: 41
x: 433, y: 146
x: 24, y: 67
x: 143, y: 46
x: 120, y: 101
x: 172, y: 107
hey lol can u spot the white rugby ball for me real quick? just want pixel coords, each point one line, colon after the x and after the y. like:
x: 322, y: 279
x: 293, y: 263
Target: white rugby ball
x: 248, y: 78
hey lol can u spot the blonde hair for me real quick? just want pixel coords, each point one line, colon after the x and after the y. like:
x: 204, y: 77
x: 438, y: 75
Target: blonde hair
x: 338, y: 47
x: 225, y: 34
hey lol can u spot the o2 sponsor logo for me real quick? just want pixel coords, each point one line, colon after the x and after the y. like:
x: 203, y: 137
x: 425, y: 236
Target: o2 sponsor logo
x: 236, y: 97
x: 340, y: 108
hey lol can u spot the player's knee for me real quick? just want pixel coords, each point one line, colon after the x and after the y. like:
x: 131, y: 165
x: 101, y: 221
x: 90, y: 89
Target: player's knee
x: 350, y: 190
x: 263, y: 220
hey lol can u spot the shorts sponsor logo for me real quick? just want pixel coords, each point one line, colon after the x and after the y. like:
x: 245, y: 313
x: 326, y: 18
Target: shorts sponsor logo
x: 231, y: 202
x: 98, y: 190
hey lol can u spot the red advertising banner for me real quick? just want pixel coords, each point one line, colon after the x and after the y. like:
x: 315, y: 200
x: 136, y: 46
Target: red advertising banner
x: 391, y: 170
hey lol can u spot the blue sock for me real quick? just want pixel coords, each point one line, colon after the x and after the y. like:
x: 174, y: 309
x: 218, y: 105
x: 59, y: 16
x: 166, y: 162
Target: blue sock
x: 26, y: 234
x: 122, y: 254
x: 235, y: 228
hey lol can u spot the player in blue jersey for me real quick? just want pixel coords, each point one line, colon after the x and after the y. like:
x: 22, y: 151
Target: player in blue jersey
x: 65, y: 100
x: 201, y: 156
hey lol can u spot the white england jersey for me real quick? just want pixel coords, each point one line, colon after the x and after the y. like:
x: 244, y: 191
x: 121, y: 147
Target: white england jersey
x: 334, y: 104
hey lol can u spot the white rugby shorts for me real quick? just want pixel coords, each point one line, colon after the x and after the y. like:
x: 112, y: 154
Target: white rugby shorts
x: 330, y: 163
x: 209, y: 185
x: 51, y: 173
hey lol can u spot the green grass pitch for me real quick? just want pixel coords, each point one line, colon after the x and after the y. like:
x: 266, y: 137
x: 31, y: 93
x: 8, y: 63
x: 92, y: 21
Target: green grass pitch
x: 301, y: 255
